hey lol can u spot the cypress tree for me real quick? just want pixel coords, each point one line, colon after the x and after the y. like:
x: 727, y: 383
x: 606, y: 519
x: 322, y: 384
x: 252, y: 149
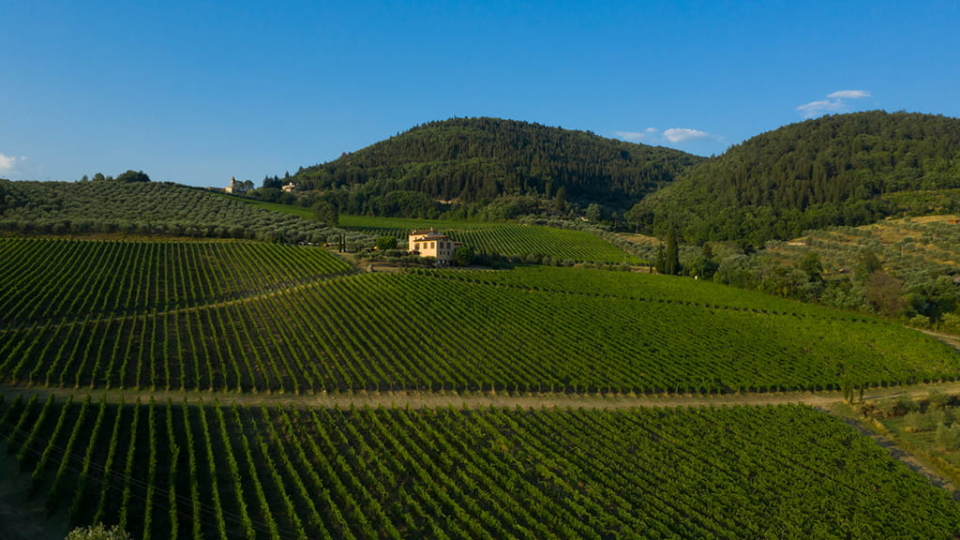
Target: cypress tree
x: 672, y: 255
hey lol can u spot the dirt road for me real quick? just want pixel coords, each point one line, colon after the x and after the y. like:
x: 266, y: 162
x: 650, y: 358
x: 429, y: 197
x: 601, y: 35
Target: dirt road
x: 416, y: 399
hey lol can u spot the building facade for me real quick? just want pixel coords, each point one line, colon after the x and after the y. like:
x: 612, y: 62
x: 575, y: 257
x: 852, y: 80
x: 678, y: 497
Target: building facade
x: 237, y: 188
x: 432, y: 243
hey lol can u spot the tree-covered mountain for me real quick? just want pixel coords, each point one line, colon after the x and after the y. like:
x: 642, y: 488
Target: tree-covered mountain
x: 472, y: 159
x: 834, y: 170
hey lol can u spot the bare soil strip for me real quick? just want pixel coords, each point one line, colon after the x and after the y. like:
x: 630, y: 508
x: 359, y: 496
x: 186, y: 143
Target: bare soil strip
x: 417, y: 399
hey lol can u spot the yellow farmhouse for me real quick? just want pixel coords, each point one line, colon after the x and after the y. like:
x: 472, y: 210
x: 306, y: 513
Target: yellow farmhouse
x: 431, y: 243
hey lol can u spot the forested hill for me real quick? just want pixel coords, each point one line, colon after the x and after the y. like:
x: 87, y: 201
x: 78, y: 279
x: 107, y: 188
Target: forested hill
x: 482, y: 158
x: 848, y: 169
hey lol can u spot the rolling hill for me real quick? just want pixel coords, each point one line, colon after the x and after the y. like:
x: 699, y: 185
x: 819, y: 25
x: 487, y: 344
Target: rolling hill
x: 145, y: 208
x: 849, y: 169
x: 244, y: 389
x: 470, y: 159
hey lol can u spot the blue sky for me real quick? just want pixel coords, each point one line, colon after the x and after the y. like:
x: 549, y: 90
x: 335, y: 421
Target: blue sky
x: 197, y: 92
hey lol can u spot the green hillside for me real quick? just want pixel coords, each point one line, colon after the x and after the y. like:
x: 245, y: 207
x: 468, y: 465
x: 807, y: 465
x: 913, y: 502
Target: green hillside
x: 173, y: 470
x: 470, y: 159
x: 144, y: 208
x: 834, y: 170
x: 298, y: 327
x: 186, y: 364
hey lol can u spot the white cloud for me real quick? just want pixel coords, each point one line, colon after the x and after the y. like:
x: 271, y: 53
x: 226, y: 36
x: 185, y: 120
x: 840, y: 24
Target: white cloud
x: 681, y: 135
x: 654, y: 136
x: 823, y: 106
x: 633, y: 136
x: 835, y: 103
x: 849, y: 94
x: 9, y: 163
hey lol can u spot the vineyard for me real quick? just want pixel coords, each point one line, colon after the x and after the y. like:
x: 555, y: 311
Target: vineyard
x: 286, y: 319
x: 62, y: 280
x: 168, y: 470
x: 147, y: 208
x: 515, y: 241
x: 558, y: 244
x: 640, y: 286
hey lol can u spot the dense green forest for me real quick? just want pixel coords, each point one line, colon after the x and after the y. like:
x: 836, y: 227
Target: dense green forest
x: 834, y: 170
x: 474, y: 159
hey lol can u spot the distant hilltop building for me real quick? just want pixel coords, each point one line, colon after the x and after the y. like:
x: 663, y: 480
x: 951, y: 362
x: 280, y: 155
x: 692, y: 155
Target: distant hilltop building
x: 290, y: 188
x: 431, y: 243
x: 237, y: 188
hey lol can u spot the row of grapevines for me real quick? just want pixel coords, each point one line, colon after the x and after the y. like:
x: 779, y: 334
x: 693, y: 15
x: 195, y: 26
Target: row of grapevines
x: 68, y: 279
x: 639, y: 286
x: 559, y: 244
x: 400, y: 332
x: 268, y: 472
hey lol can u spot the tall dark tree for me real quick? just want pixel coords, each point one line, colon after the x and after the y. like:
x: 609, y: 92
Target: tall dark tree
x: 133, y: 176
x: 386, y: 242
x: 811, y: 265
x: 594, y: 213
x: 326, y: 213
x: 463, y: 255
x: 560, y: 201
x: 867, y: 264
x: 672, y: 255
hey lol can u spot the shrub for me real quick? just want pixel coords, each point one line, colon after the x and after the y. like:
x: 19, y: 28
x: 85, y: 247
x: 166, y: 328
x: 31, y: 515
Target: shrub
x: 947, y: 437
x: 98, y: 532
x: 938, y: 399
x: 917, y: 421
